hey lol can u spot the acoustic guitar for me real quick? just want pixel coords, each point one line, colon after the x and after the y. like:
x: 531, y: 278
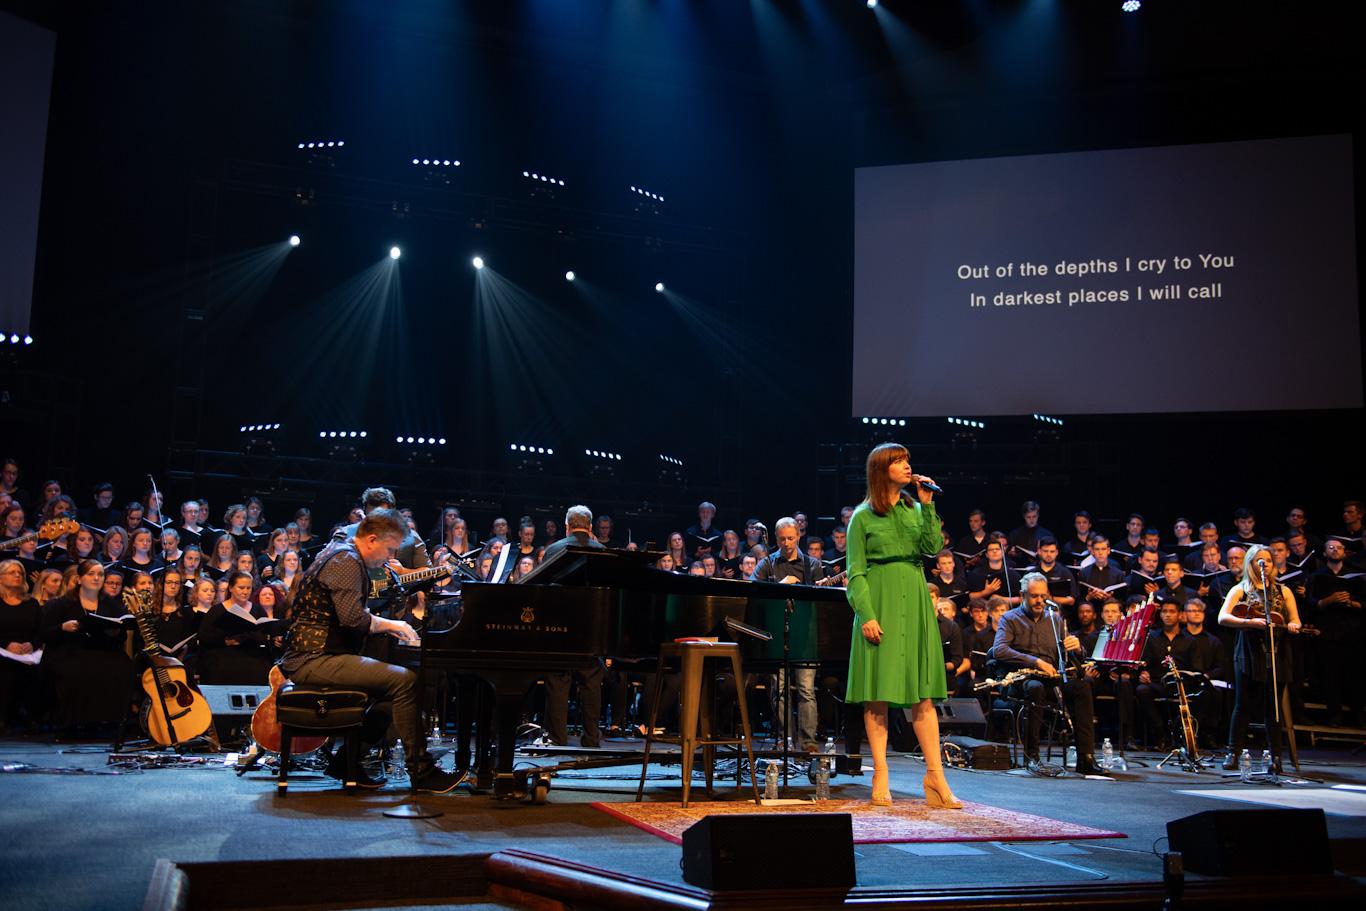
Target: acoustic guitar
x: 173, y: 711
x: 265, y: 724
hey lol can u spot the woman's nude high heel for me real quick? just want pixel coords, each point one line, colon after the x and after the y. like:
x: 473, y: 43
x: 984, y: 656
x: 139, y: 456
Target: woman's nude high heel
x: 937, y: 793
x: 882, y: 791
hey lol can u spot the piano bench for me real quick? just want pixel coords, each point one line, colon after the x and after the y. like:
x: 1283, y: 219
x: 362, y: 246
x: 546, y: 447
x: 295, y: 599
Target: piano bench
x: 319, y: 711
x: 695, y: 723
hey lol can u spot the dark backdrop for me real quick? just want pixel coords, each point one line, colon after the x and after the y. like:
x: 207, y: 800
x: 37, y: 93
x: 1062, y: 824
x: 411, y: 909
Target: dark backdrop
x: 173, y: 177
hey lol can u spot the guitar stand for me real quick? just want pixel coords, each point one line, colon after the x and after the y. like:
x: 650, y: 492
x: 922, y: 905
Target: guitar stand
x: 1183, y: 759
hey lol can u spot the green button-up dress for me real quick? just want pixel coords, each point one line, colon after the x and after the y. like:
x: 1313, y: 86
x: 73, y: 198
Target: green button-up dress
x: 887, y: 584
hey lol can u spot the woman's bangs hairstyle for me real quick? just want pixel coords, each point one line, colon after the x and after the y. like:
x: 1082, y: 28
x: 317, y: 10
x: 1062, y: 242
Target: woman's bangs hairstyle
x: 880, y: 496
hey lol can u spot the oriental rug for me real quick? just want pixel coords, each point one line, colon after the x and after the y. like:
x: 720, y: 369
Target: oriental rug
x: 904, y: 821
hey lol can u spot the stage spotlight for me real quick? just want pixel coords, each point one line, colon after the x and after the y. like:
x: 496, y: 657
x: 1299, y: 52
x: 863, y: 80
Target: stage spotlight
x: 28, y: 340
x: 872, y: 4
x: 569, y: 276
x: 14, y: 339
x: 294, y: 240
x: 659, y: 286
x: 1129, y: 6
x: 395, y: 252
x: 477, y: 262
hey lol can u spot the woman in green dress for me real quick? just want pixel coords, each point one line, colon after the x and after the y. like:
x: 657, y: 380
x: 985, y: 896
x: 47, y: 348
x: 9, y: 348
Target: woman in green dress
x: 896, y: 657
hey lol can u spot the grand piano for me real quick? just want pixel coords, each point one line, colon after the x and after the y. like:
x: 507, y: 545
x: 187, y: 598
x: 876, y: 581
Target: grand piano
x: 587, y: 603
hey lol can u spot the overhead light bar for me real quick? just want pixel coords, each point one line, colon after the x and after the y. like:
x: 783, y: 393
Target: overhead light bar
x: 964, y: 422
x: 886, y: 422
x: 14, y: 339
x: 1048, y: 420
x: 437, y: 162
x: 322, y: 144
x: 257, y: 428
x: 671, y: 460
x: 543, y: 178
x: 341, y: 433
x: 648, y: 194
x: 603, y: 454
x: 530, y: 450
x: 421, y: 441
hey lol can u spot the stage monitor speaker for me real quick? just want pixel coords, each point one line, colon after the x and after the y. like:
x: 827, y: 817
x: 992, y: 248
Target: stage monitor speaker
x: 1243, y: 842
x: 754, y: 851
x: 956, y: 716
x: 229, y: 700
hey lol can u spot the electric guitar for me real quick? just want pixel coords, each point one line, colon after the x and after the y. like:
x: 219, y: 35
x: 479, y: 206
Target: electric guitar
x: 173, y: 711
x: 395, y: 583
x: 50, y: 530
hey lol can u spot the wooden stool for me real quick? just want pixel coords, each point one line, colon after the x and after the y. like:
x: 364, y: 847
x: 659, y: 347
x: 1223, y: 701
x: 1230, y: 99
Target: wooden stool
x: 314, y: 711
x: 698, y: 691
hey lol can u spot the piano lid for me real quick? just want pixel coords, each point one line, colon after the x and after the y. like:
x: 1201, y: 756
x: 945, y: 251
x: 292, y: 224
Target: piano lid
x: 624, y: 569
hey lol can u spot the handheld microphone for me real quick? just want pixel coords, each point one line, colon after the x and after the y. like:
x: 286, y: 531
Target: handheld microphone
x: 929, y: 485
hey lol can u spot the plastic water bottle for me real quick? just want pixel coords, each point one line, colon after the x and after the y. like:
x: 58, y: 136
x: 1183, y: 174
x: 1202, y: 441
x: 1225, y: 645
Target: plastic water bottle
x: 1266, y: 761
x: 771, y: 781
x: 398, y: 765
x: 822, y: 779
x: 1245, y: 765
x: 1107, y: 755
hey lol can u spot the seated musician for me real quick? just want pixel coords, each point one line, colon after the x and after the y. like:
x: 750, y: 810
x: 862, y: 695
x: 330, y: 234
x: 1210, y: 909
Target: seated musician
x: 1207, y: 655
x: 788, y: 564
x: 578, y: 526
x: 1029, y: 638
x: 1102, y: 578
x: 1170, y: 640
x: 329, y: 620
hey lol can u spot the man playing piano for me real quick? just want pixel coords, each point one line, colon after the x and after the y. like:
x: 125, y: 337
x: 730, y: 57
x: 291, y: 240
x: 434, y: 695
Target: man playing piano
x: 330, y: 624
x: 1034, y: 636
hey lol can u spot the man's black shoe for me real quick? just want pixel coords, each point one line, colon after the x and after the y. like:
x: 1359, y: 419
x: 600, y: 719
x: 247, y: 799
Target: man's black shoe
x: 1086, y: 765
x: 435, y: 780
x: 336, y: 768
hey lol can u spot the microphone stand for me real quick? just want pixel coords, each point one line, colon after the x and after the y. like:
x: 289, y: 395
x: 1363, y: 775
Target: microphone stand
x: 788, y: 610
x: 1274, y: 695
x: 1062, y: 673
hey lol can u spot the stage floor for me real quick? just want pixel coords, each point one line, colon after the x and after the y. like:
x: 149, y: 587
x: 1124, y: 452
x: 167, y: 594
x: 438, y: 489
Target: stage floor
x: 79, y: 837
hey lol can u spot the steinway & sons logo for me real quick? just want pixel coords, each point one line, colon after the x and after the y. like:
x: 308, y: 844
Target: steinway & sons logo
x: 528, y: 624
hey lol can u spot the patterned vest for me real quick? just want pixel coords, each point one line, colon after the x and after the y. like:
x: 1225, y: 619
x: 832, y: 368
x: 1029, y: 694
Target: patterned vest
x: 314, y: 627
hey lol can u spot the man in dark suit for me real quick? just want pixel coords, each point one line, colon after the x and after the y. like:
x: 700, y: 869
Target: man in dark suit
x: 578, y: 525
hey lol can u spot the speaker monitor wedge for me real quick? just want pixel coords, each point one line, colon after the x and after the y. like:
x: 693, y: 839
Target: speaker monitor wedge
x: 755, y: 851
